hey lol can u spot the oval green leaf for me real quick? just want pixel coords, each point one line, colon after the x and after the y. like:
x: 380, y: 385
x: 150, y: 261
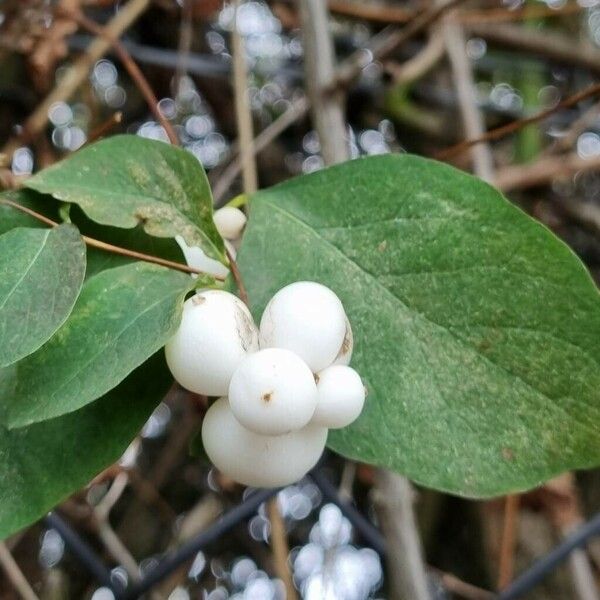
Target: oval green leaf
x: 477, y: 332
x: 126, y: 180
x: 122, y: 317
x: 42, y: 274
x: 43, y: 463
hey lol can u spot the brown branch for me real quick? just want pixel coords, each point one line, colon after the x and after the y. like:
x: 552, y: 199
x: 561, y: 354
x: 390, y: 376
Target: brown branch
x: 545, y: 44
x: 500, y: 15
x: 281, y: 548
x: 130, y: 66
x: 379, y: 13
x: 110, y: 247
x: 499, y: 132
x: 15, y: 575
x: 543, y: 171
x: 77, y: 74
x: 507, y: 547
x: 385, y: 42
x: 462, y: 588
x: 105, y: 127
x: 243, y: 114
x: 237, y: 277
x: 385, y: 13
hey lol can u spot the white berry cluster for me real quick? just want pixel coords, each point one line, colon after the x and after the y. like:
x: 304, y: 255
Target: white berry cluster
x: 282, y: 385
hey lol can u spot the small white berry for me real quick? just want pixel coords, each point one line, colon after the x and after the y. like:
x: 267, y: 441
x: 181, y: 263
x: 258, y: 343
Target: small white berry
x: 215, y: 334
x: 273, y: 392
x: 197, y: 259
x: 345, y: 354
x: 259, y: 460
x: 229, y: 222
x: 341, y: 397
x: 308, y: 319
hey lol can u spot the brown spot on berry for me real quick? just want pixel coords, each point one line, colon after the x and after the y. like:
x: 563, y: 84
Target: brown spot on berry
x: 267, y: 397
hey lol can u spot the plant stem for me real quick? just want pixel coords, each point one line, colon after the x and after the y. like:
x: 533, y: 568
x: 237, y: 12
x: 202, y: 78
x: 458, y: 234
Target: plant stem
x: 93, y: 243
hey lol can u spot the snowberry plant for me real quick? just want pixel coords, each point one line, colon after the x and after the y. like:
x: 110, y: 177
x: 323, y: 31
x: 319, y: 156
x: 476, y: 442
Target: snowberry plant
x: 474, y: 329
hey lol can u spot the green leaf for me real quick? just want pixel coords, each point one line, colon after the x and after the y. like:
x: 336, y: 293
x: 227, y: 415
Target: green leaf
x: 11, y: 217
x: 126, y: 180
x: 122, y: 317
x: 132, y: 239
x: 42, y: 273
x: 43, y: 463
x: 477, y: 332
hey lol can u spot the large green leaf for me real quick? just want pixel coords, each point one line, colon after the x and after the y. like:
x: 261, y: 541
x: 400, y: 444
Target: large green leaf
x: 477, y: 332
x: 123, y: 316
x: 42, y: 273
x: 126, y: 180
x: 45, y: 462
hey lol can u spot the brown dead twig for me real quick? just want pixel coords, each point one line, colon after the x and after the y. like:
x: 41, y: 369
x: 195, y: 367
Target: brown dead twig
x: 105, y: 127
x: 77, y: 73
x: 543, y: 171
x: 506, y: 565
x: 386, y: 13
x: 504, y: 130
x: 109, y: 247
x: 130, y: 66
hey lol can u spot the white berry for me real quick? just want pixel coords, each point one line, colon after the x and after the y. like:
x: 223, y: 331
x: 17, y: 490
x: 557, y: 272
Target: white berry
x: 273, y: 392
x: 341, y: 397
x: 215, y: 335
x: 308, y: 319
x: 197, y: 259
x: 259, y: 460
x: 229, y: 222
x: 345, y: 354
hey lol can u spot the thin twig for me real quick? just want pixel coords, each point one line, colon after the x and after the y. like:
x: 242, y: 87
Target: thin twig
x: 15, y: 575
x: 319, y: 67
x: 394, y: 497
x: 543, y: 171
x: 77, y: 74
x: 462, y: 588
x: 508, y: 542
x: 462, y: 74
x: 499, y: 132
x: 105, y: 127
x: 106, y: 533
x: 237, y: 277
x: 110, y: 247
x: 130, y: 66
x: 388, y: 14
x: 297, y: 109
x: 421, y: 63
x: 281, y: 549
x: 545, y: 44
x: 243, y: 113
x: 385, y: 42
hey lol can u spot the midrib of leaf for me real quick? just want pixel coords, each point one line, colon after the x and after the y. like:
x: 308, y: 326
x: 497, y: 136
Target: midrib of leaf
x: 541, y: 397
x: 29, y: 267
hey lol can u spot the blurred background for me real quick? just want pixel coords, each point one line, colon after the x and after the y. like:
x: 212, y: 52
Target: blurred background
x: 417, y: 76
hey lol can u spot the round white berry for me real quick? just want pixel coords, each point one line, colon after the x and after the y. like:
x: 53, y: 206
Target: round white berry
x: 345, y: 354
x: 308, y: 319
x: 215, y: 334
x: 273, y: 392
x: 259, y: 460
x: 197, y: 259
x: 229, y: 222
x: 341, y: 397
